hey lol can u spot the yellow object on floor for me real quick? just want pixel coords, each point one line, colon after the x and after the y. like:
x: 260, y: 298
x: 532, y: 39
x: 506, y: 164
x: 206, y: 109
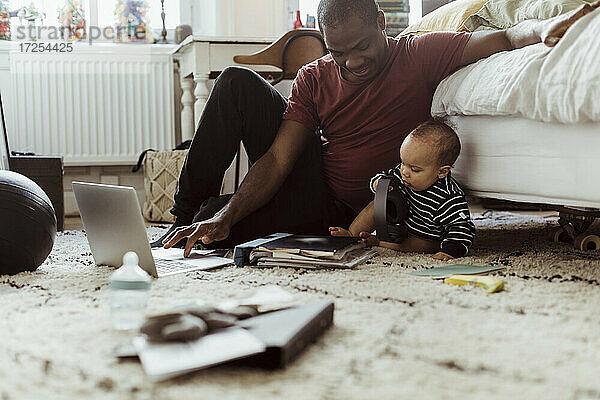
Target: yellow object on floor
x: 490, y: 283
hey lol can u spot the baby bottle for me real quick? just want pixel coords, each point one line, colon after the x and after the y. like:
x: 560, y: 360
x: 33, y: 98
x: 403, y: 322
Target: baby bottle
x: 129, y: 286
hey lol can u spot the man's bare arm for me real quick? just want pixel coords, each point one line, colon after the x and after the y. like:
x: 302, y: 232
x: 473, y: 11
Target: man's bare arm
x: 485, y: 43
x: 258, y: 187
x: 268, y: 173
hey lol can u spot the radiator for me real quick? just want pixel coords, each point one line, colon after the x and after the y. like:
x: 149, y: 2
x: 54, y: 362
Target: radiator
x: 99, y: 105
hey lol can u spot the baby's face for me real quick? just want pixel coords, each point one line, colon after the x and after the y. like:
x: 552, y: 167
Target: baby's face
x: 419, y: 166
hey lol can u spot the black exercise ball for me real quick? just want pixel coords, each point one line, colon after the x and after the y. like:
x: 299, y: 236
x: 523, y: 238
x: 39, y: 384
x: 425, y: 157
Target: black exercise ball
x: 27, y: 224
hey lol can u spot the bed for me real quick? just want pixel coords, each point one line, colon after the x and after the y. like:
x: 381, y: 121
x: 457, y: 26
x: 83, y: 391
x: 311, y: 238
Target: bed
x: 529, y: 123
x: 518, y: 159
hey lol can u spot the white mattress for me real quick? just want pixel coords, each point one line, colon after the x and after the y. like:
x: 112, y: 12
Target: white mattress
x: 529, y: 161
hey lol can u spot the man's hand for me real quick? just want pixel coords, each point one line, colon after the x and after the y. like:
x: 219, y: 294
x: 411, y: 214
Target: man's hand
x: 337, y: 231
x: 554, y: 29
x: 442, y: 256
x: 211, y: 230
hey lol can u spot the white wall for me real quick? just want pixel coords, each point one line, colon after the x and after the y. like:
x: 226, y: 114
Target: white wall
x: 416, y: 11
x: 200, y: 14
x: 6, y: 83
x: 256, y: 18
x: 253, y: 18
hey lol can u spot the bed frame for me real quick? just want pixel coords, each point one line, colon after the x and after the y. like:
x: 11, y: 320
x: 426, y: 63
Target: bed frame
x: 551, y: 165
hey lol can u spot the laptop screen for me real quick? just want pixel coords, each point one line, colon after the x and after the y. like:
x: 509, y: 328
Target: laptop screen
x: 4, y: 152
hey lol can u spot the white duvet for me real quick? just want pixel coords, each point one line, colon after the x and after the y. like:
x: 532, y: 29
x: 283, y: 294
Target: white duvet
x: 560, y: 84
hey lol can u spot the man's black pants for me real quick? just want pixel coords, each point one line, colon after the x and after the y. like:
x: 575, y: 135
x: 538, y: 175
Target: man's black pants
x: 244, y: 107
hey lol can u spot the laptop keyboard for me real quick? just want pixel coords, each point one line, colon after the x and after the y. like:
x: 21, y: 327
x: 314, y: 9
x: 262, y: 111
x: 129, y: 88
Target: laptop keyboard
x: 167, y: 266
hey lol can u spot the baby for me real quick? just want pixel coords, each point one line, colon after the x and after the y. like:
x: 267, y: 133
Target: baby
x: 438, y: 218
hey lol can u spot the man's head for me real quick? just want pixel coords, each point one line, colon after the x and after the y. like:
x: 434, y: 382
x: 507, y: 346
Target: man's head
x: 354, y: 33
x: 428, y: 154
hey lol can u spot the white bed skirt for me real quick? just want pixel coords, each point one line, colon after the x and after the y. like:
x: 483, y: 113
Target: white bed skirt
x: 529, y: 161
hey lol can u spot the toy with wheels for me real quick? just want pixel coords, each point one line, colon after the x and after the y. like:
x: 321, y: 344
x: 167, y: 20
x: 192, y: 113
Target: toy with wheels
x: 573, y: 226
x: 27, y: 224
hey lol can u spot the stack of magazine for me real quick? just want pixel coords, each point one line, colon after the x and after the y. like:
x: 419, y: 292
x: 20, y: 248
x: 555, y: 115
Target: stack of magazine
x: 302, y: 251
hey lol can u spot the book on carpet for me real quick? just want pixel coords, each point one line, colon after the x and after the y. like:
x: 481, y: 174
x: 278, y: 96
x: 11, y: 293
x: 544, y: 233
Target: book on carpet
x: 491, y: 284
x: 350, y: 260
x: 270, y: 340
x: 317, y: 246
x: 303, y: 251
x: 457, y: 269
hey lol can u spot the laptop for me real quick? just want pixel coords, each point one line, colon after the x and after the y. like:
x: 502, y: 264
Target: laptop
x: 4, y: 152
x: 114, y: 225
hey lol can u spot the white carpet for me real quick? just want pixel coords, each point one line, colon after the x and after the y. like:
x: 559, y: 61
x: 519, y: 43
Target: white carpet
x: 395, y: 336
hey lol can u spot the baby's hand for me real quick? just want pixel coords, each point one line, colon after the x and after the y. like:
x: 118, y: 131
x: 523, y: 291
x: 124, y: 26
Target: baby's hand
x: 376, y: 181
x: 442, y: 256
x: 368, y: 239
x: 337, y: 231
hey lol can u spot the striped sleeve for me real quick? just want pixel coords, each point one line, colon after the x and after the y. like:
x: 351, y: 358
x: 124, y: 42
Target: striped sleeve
x: 453, y: 215
x: 392, y: 173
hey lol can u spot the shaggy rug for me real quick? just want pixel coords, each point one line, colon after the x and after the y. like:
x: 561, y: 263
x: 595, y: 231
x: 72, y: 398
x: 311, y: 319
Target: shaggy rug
x: 395, y: 336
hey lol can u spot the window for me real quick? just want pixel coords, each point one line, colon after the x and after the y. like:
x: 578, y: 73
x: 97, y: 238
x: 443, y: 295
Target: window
x: 47, y: 8
x: 106, y: 16
x: 308, y: 7
x: 97, y: 12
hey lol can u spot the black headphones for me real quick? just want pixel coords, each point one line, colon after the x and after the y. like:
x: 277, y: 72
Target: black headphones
x: 390, y: 209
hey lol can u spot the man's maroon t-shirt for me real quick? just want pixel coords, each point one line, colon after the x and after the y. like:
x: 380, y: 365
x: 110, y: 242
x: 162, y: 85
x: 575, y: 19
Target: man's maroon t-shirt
x: 364, y: 124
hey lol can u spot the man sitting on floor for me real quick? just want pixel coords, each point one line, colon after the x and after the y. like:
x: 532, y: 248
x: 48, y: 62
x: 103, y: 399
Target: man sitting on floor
x: 313, y: 155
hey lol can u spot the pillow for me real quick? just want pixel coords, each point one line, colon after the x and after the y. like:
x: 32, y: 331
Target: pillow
x: 449, y: 17
x: 502, y: 14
